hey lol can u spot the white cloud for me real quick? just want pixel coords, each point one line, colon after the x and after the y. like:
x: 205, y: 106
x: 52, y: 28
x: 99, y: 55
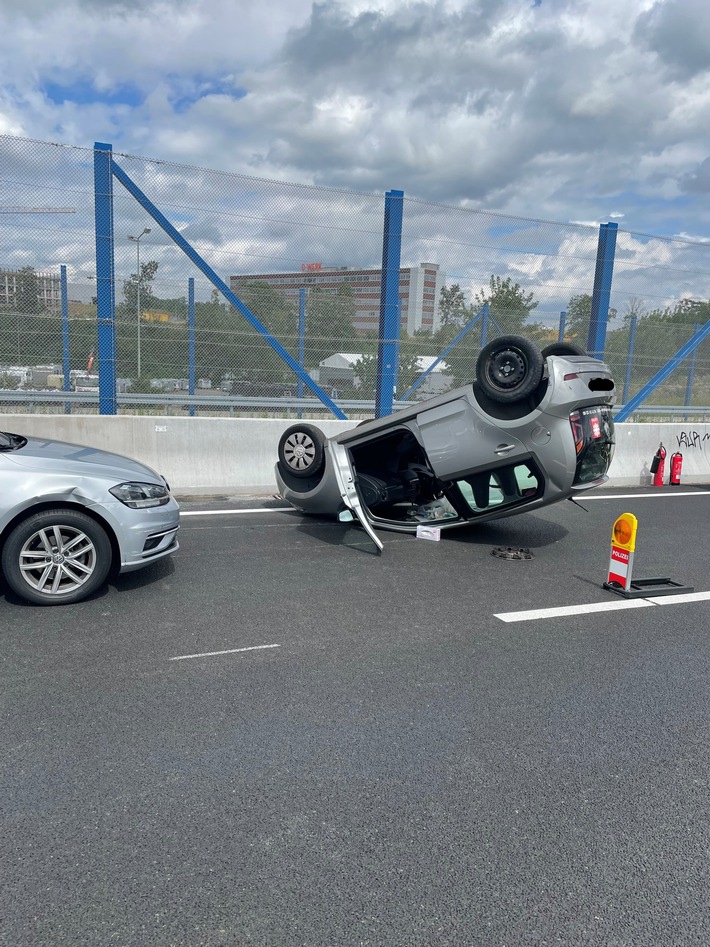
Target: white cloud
x: 547, y: 110
x: 572, y: 110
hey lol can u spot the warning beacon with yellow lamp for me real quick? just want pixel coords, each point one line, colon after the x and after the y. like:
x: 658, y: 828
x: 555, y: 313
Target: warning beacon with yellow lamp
x: 623, y: 546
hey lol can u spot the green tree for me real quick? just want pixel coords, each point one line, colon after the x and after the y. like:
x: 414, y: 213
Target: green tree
x: 454, y: 315
x: 410, y: 350
x: 508, y: 303
x: 217, y: 330
x: 251, y: 356
x: 129, y: 306
x: 365, y: 372
x: 329, y: 323
x: 579, y: 313
x: 27, y: 291
x: 687, y: 312
x: 453, y: 310
x: 633, y: 307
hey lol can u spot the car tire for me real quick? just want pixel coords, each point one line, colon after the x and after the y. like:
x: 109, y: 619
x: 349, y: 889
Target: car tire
x: 562, y: 348
x: 509, y: 368
x: 302, y: 450
x: 56, y: 557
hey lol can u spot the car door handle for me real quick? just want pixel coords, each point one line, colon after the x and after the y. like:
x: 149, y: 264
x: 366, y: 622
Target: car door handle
x: 504, y: 448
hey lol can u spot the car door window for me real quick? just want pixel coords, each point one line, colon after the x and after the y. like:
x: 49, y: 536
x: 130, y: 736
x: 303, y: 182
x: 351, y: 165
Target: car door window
x: 505, y: 486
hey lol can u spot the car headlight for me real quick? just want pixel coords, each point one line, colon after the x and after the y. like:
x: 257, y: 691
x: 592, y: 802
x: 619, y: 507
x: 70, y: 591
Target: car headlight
x: 141, y: 495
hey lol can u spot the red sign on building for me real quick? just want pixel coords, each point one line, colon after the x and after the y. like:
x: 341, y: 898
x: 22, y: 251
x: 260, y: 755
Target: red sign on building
x: 311, y: 266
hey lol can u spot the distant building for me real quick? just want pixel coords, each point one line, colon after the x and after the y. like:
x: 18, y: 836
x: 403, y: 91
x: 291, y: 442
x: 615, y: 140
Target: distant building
x: 49, y: 289
x: 419, y: 291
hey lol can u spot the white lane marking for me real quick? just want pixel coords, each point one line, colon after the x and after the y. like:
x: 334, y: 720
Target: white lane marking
x: 679, y: 598
x: 610, y: 496
x: 643, y: 496
x: 260, y: 509
x: 211, y: 654
x: 565, y: 611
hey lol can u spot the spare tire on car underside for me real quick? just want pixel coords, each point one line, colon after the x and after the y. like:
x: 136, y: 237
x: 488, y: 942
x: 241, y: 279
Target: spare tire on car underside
x: 509, y: 368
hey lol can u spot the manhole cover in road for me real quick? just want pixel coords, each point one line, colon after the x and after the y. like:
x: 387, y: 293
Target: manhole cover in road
x: 508, y: 552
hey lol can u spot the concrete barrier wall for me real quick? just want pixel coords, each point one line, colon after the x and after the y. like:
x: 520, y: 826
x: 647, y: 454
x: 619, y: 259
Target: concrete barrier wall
x: 637, y: 443
x: 202, y: 456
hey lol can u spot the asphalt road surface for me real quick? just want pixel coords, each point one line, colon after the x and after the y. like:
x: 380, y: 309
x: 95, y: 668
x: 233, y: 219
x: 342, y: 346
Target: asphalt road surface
x: 279, y: 737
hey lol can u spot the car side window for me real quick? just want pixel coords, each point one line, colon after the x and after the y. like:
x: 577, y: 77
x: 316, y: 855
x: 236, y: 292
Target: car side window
x: 504, y: 486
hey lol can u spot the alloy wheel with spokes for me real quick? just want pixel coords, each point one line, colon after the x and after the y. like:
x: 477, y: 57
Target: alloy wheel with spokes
x: 57, y: 556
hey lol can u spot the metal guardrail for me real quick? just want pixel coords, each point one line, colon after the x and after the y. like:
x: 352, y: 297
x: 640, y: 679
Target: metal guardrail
x: 182, y: 402
x: 665, y: 410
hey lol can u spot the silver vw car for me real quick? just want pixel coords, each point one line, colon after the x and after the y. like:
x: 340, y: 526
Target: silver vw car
x: 533, y: 428
x: 69, y: 515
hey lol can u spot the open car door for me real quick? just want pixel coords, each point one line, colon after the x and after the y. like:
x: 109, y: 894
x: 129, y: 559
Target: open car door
x: 347, y: 485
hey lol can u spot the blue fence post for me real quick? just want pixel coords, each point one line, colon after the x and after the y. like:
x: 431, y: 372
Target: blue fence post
x: 484, y: 326
x: 388, y: 342
x: 191, y: 338
x: 220, y: 285
x: 561, y: 330
x: 65, y: 335
x: 301, y: 343
x: 630, y: 357
x: 691, y: 373
x: 601, y: 294
x: 481, y: 314
x: 105, y: 289
x: 683, y: 352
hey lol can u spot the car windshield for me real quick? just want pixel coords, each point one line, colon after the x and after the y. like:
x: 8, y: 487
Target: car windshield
x: 11, y: 441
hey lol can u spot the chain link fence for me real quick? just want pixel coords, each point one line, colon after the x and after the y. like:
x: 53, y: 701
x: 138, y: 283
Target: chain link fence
x: 306, y: 262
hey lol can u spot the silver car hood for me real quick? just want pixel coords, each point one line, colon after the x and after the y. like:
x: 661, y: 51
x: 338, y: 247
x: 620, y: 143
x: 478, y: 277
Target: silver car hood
x: 61, y: 457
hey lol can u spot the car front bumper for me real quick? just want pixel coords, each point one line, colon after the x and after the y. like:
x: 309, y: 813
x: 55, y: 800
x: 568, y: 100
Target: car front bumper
x: 143, y: 535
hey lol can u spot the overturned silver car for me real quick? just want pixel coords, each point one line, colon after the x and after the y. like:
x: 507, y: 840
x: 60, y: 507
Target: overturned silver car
x: 533, y: 428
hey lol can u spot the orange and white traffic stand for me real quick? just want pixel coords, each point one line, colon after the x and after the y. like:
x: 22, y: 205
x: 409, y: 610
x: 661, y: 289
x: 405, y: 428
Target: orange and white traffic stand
x: 623, y: 545
x: 621, y: 563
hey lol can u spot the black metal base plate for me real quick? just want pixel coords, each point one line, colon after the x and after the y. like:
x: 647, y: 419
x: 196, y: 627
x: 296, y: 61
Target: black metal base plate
x: 643, y: 588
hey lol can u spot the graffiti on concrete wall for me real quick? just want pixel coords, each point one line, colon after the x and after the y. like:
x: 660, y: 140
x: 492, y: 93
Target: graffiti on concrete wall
x: 691, y: 439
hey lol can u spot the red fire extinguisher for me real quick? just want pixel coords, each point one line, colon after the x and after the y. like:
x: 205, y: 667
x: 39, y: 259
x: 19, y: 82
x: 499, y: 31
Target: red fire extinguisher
x: 658, y: 465
x: 676, y: 465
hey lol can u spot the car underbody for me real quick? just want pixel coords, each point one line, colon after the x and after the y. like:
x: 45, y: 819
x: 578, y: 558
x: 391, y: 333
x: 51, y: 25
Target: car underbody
x: 476, y: 453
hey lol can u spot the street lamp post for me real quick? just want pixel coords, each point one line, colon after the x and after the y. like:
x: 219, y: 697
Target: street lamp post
x: 137, y: 241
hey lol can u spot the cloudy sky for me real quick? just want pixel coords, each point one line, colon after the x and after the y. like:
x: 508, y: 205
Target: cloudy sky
x: 569, y: 110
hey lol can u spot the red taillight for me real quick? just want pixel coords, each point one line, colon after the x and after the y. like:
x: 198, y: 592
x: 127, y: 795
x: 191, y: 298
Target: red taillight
x: 575, y: 421
x: 570, y: 376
